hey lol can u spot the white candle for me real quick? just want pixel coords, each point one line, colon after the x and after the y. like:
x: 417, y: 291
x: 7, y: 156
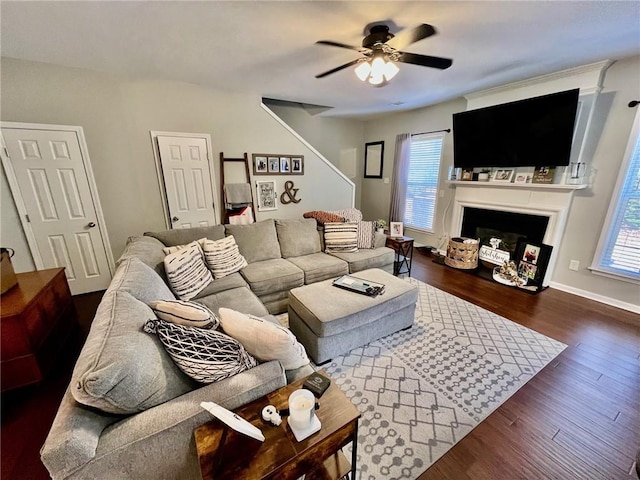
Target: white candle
x: 301, y: 407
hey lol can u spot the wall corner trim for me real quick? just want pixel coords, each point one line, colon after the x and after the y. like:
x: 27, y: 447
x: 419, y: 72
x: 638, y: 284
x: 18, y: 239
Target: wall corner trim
x: 316, y: 152
x: 596, y: 297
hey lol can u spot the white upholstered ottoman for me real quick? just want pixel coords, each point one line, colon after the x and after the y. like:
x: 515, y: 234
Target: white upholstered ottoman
x: 330, y: 321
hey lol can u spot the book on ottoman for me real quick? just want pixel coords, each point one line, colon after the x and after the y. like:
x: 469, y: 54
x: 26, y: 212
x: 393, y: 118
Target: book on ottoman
x: 359, y: 285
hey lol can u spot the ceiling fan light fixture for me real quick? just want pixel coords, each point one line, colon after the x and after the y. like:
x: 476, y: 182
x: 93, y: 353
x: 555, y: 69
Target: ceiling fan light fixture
x: 363, y: 71
x: 390, y: 70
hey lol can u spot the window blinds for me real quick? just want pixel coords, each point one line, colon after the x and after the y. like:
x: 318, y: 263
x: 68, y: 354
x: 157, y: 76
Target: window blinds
x: 422, y: 183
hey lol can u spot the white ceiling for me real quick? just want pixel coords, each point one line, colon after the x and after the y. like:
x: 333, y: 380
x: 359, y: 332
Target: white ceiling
x: 267, y: 48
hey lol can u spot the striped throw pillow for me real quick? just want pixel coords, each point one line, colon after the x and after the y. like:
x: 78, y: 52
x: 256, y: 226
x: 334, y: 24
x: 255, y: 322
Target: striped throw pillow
x: 341, y: 237
x: 189, y: 314
x: 186, y: 271
x: 207, y: 356
x: 175, y: 248
x: 366, y: 234
x: 223, y: 256
x: 349, y: 214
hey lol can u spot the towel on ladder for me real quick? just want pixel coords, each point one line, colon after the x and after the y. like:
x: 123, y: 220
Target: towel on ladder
x: 237, y: 194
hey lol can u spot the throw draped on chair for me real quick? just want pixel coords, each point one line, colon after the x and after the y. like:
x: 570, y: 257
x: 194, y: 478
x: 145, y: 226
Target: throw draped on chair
x: 400, y: 177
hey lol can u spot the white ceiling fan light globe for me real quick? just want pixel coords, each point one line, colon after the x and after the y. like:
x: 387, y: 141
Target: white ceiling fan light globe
x: 376, y: 79
x: 390, y: 70
x: 378, y: 66
x: 363, y: 71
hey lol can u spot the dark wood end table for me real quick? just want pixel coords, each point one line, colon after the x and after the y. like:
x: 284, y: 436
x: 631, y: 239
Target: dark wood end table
x: 281, y: 456
x: 403, y: 246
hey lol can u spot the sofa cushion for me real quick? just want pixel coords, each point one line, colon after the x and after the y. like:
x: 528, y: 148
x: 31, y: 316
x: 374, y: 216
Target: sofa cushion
x: 366, y: 234
x: 263, y: 339
x: 257, y: 241
x: 240, y: 298
x: 323, y: 217
x: 121, y: 369
x: 298, y: 237
x: 182, y: 236
x: 181, y: 312
x: 364, y: 259
x: 223, y: 256
x: 270, y: 276
x: 207, y: 356
x: 141, y: 281
x: 186, y: 271
x: 320, y: 266
x: 341, y: 237
x: 229, y: 282
x: 146, y: 249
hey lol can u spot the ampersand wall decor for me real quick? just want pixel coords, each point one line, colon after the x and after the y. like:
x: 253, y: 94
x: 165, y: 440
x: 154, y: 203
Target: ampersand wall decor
x: 289, y: 194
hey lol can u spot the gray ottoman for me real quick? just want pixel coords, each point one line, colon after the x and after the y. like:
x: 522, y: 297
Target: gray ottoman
x: 330, y: 321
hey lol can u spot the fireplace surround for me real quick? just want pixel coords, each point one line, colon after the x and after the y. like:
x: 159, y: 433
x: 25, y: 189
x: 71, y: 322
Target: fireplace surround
x: 537, y: 202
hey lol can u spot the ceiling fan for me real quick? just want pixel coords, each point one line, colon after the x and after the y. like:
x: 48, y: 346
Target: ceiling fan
x: 381, y: 49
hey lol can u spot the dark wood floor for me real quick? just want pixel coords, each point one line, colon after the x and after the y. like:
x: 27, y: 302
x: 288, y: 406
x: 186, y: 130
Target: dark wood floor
x: 579, y: 418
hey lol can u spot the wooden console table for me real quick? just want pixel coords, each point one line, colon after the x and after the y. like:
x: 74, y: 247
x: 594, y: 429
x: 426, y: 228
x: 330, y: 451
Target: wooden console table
x: 281, y: 456
x: 37, y: 316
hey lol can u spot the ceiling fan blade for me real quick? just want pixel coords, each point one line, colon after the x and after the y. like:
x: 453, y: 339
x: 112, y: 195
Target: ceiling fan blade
x: 408, y: 36
x: 341, y: 45
x: 337, y: 69
x: 425, y: 60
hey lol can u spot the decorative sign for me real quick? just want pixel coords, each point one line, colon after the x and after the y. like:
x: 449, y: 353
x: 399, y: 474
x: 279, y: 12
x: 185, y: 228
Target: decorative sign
x: 289, y: 194
x: 493, y: 255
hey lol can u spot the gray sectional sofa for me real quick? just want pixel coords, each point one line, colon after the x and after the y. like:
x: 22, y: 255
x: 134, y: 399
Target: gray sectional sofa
x: 129, y: 412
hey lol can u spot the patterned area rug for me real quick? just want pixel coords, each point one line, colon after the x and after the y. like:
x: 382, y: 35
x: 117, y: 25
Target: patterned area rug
x: 421, y: 390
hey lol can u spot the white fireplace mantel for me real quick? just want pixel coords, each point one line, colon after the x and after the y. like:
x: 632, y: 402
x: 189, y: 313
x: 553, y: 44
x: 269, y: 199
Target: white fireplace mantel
x: 548, y: 200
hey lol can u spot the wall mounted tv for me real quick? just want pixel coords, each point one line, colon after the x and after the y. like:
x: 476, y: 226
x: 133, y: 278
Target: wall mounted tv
x: 534, y: 132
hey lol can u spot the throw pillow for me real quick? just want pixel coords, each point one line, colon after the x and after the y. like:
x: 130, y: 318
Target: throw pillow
x: 207, y: 356
x: 189, y: 314
x: 175, y: 248
x: 223, y: 256
x: 349, y: 214
x: 366, y: 234
x: 323, y: 217
x: 341, y: 237
x: 186, y: 271
x: 264, y: 340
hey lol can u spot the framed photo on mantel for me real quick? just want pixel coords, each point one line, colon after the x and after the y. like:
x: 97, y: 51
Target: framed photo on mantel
x: 543, y: 175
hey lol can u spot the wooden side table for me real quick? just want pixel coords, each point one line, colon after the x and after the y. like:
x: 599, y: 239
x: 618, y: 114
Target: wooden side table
x: 403, y: 246
x: 281, y: 456
x: 36, y: 318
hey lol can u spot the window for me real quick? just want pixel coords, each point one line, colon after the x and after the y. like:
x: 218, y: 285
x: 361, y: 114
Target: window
x: 422, y: 183
x: 618, y: 251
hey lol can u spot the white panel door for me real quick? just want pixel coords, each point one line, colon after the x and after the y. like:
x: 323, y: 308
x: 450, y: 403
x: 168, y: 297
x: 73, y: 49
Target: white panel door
x: 187, y: 181
x: 48, y: 170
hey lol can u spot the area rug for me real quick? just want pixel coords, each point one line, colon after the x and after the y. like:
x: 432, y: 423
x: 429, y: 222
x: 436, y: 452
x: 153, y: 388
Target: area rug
x: 423, y: 389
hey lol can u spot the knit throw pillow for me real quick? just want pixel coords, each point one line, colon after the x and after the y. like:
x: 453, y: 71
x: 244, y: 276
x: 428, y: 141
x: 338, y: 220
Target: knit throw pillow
x: 349, y: 214
x: 189, y: 314
x: 323, y: 217
x: 223, y: 256
x: 207, y: 356
x: 366, y: 234
x: 186, y: 271
x: 341, y: 237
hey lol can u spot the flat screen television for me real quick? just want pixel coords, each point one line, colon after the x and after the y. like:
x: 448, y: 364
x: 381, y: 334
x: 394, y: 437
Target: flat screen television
x: 534, y: 132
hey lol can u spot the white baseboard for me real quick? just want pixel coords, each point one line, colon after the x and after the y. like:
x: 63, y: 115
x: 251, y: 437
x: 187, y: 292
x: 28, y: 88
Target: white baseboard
x: 631, y: 307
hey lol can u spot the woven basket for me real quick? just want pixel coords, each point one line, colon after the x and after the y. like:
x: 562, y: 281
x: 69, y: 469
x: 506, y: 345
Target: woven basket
x: 462, y: 255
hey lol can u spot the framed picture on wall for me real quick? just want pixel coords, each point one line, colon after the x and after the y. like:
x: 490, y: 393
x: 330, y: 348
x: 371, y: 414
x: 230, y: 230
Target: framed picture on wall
x: 297, y: 165
x: 267, y: 197
x: 274, y: 164
x: 260, y: 164
x: 373, y: 157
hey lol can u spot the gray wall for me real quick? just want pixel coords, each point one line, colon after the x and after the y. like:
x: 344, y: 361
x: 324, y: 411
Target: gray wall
x: 117, y: 114
x: 613, y: 121
x: 340, y: 140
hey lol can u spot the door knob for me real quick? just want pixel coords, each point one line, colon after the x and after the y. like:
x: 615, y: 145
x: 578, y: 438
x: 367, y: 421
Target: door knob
x: 91, y: 224
x: 175, y: 219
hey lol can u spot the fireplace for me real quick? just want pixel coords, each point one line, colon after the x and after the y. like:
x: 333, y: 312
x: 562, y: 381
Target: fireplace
x: 538, y: 212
